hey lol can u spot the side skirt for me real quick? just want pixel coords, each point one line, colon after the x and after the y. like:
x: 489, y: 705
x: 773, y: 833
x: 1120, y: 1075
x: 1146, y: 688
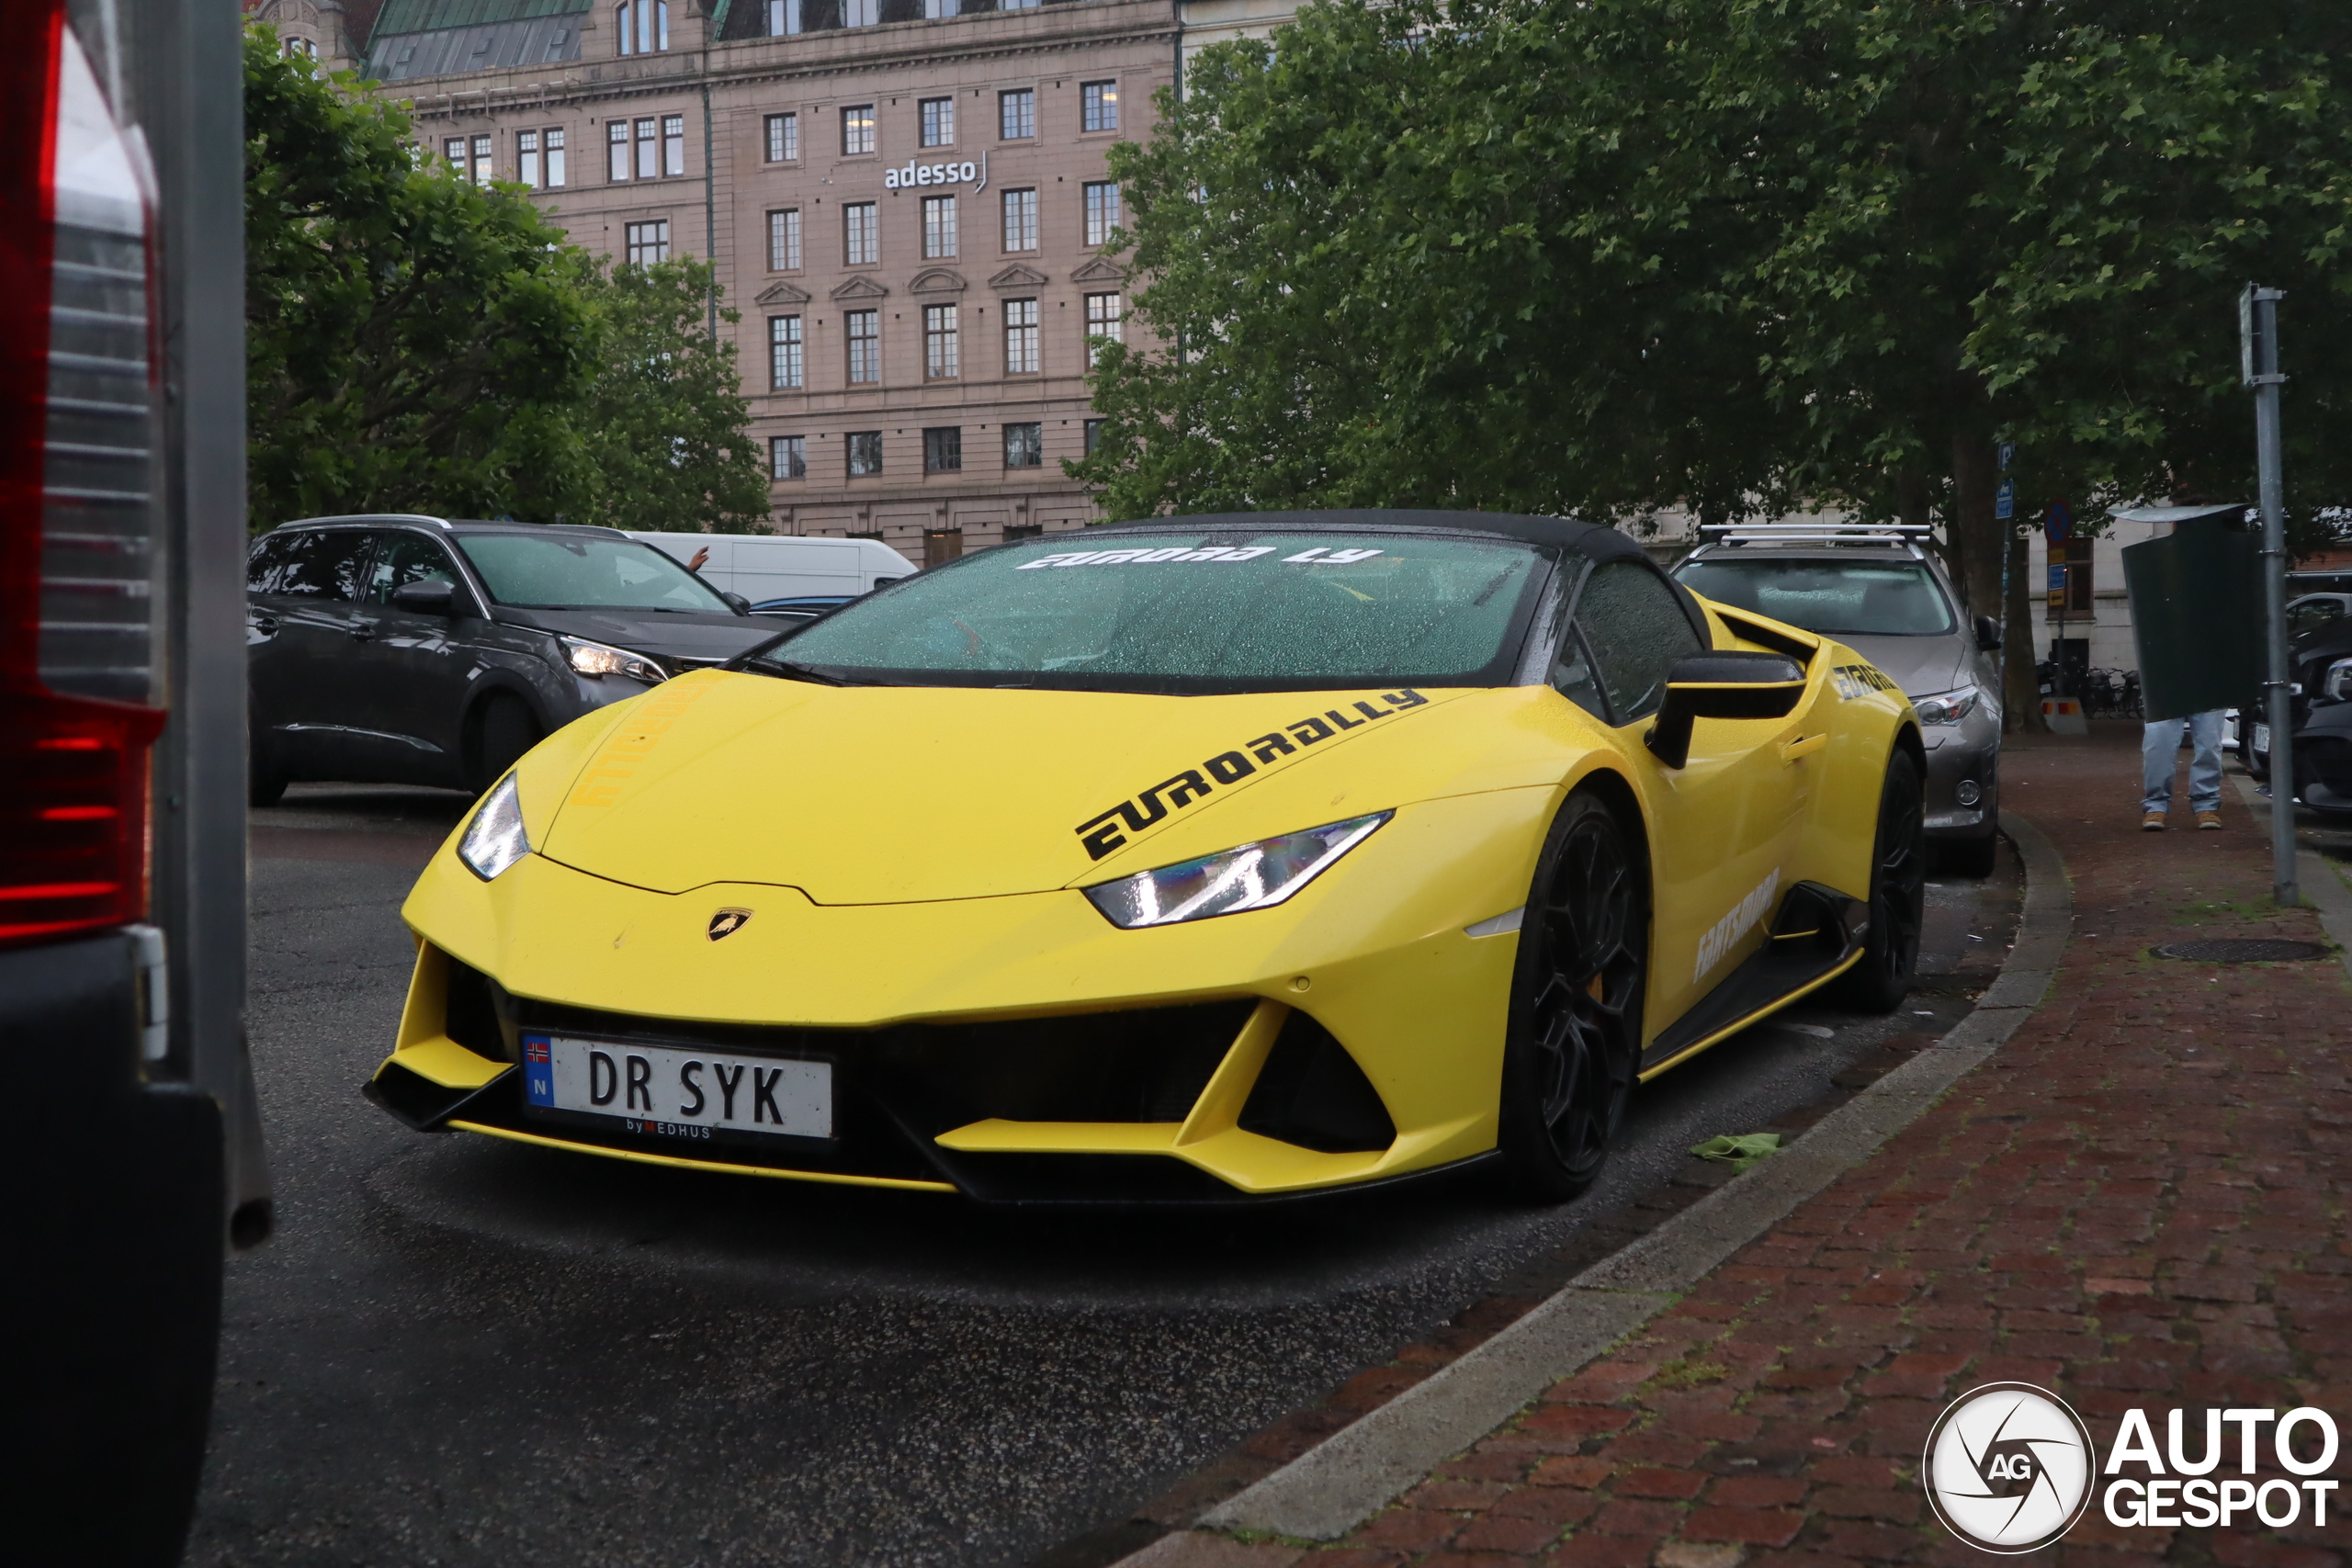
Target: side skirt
x: 1816, y: 936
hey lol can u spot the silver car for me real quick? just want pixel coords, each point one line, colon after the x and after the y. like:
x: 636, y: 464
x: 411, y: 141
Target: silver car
x: 1876, y: 590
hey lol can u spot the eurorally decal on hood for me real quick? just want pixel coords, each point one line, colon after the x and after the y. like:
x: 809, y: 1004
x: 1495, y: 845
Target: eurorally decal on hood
x: 1101, y: 834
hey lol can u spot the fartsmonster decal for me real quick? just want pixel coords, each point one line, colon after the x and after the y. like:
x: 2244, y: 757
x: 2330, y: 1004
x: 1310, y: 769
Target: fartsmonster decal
x: 1103, y: 834
x: 1145, y: 556
x: 1858, y: 680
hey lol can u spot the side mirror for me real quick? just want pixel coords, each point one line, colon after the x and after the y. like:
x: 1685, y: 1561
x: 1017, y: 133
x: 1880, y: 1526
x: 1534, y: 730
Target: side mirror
x: 737, y: 603
x: 434, y: 596
x: 1721, y: 685
x: 1988, y: 634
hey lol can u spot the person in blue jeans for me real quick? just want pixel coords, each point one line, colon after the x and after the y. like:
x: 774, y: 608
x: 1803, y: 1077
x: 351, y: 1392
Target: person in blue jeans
x: 2160, y: 755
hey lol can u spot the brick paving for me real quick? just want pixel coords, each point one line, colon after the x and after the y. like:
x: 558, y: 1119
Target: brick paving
x: 2139, y: 1200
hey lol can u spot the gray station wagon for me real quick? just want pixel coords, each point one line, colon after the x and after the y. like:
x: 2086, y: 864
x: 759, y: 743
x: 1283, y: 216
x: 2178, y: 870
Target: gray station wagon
x: 1876, y: 590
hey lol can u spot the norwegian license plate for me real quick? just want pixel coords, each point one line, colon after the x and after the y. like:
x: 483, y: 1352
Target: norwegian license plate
x: 2262, y: 737
x: 661, y: 1090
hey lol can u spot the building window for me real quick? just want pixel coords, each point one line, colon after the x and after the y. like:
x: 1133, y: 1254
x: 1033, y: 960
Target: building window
x: 864, y: 453
x: 555, y: 157
x: 301, y: 48
x: 1020, y: 337
x: 485, y: 170
x: 649, y: 150
x: 860, y: 12
x: 783, y: 241
x: 861, y: 234
x: 1093, y: 436
x: 938, y: 121
x: 647, y: 243
x: 454, y: 150
x: 788, y: 456
x: 2070, y: 577
x: 1014, y: 531
x: 1024, y: 446
x: 942, y: 358
x: 1016, y: 5
x: 785, y: 369
x: 673, y: 145
x: 857, y: 130
x: 617, y: 140
x: 1098, y: 105
x: 1020, y: 220
x: 938, y: 227
x: 1016, y: 112
x: 1102, y: 211
x: 643, y: 25
x: 865, y: 352
x: 783, y: 138
x: 527, y: 157
x: 943, y: 450
x: 782, y: 18
x: 1102, y: 320
x: 940, y: 10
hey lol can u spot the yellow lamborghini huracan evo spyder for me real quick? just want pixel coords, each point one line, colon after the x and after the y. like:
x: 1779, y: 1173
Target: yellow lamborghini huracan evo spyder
x: 1226, y: 857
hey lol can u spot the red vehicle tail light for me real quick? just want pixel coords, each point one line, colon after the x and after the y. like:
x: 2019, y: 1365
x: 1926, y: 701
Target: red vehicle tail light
x: 77, y: 517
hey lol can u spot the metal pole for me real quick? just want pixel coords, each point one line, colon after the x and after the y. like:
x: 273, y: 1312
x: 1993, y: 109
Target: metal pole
x: 2259, y: 345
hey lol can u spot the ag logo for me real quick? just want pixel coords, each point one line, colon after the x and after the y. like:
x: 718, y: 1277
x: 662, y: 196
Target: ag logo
x: 727, y: 922
x: 2008, y: 1468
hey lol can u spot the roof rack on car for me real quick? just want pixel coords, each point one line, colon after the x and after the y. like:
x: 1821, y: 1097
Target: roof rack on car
x: 1905, y: 534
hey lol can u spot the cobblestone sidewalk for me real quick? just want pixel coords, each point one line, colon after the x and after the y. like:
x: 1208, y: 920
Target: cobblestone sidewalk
x: 2140, y: 1201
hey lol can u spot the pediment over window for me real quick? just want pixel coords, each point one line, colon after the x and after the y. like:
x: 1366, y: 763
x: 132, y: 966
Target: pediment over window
x: 937, y: 280
x: 1019, y: 277
x: 859, y: 287
x: 1095, y: 269
x: 781, y: 294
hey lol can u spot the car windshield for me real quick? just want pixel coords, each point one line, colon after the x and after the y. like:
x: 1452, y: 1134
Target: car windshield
x: 1163, y: 611
x: 567, y: 571
x: 2310, y: 615
x: 1878, y: 598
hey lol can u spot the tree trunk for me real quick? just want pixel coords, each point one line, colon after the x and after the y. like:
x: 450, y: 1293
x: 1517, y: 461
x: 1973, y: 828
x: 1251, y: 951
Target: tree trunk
x: 2021, y: 693
x: 1977, y: 536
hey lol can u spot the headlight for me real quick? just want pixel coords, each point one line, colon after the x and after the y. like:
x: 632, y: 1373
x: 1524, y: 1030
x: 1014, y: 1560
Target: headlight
x: 495, y: 839
x: 1253, y: 877
x: 596, y: 660
x: 1947, y: 707
x: 2337, y: 682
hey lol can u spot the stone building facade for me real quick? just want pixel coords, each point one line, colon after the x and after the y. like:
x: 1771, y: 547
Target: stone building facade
x: 910, y: 211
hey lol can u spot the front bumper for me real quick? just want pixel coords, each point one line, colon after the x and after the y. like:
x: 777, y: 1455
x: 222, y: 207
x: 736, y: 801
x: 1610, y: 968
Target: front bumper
x: 1014, y: 1049
x: 1968, y: 752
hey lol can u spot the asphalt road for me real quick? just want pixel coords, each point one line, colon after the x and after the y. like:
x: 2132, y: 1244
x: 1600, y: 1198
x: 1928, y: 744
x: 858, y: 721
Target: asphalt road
x: 458, y: 1351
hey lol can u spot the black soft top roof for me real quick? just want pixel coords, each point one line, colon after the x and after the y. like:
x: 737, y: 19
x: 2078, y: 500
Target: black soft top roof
x: 1592, y: 540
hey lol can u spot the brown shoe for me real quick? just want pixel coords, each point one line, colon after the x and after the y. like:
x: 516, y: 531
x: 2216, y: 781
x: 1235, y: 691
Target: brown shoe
x: 2153, y: 822
x: 2211, y: 821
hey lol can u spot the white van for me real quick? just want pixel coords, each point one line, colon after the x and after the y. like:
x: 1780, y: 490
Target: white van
x: 764, y: 568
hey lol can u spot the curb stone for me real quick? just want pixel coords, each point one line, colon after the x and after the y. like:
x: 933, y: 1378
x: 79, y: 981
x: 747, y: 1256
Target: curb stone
x: 2316, y: 874
x: 1358, y: 1470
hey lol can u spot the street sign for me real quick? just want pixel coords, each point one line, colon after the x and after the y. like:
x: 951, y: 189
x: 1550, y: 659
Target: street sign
x: 2058, y: 523
x: 2004, y: 501
x: 2007, y: 450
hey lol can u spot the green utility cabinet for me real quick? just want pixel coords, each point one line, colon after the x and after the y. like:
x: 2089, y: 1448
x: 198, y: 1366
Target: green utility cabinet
x: 2197, y: 612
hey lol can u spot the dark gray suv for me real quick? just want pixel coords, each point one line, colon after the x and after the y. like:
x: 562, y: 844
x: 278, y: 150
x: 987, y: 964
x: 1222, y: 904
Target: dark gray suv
x: 406, y: 650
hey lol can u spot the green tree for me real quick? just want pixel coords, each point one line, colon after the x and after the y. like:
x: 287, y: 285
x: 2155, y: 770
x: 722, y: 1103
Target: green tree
x: 1620, y: 256
x: 414, y: 342
x: 665, y: 424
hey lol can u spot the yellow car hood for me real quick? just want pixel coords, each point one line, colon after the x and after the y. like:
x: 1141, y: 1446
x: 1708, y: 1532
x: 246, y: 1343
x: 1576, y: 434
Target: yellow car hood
x: 870, y: 794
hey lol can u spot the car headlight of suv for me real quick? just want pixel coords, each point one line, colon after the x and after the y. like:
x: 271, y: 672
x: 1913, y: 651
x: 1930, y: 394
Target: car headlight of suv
x: 1251, y: 876
x: 597, y: 660
x: 1947, y: 707
x: 495, y: 838
x: 2337, y: 682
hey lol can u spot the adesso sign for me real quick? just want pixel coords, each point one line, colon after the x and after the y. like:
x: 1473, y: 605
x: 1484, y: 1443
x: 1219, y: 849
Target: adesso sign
x: 964, y: 174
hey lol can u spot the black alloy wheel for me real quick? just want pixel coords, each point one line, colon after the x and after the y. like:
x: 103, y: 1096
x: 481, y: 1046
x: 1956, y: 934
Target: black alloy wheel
x: 1576, y: 1015
x: 507, y: 731
x: 1890, y: 958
